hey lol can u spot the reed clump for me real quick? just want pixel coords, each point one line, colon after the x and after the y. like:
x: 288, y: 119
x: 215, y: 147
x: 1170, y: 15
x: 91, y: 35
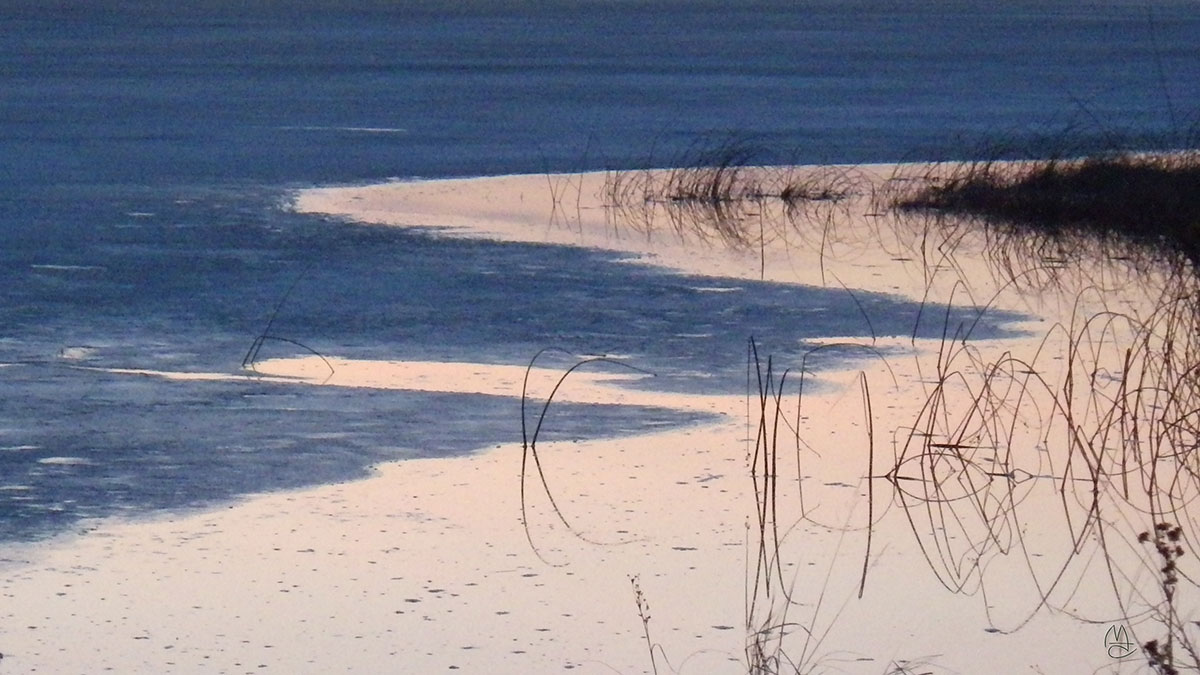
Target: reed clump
x: 1149, y: 199
x: 723, y: 189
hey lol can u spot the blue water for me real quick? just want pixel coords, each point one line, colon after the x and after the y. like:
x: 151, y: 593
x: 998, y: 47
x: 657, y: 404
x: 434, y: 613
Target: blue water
x: 145, y: 150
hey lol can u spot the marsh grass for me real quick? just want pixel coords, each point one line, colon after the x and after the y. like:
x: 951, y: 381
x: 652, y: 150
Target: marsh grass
x: 1093, y: 430
x: 720, y: 192
x: 1133, y: 204
x: 1149, y: 199
x: 776, y: 640
x: 260, y: 340
x: 1104, y: 417
x: 529, y: 449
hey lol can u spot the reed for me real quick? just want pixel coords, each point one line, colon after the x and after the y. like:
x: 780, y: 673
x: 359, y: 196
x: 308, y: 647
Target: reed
x: 1101, y: 417
x: 1150, y: 199
x: 776, y: 642
x: 1105, y: 414
x: 529, y: 449
x: 719, y: 190
x: 266, y: 335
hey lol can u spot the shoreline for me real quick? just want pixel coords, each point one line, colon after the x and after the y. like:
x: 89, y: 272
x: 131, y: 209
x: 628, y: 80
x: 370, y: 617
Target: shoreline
x: 425, y: 566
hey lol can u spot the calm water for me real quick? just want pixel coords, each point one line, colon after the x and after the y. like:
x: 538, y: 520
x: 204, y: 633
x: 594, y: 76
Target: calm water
x: 145, y: 149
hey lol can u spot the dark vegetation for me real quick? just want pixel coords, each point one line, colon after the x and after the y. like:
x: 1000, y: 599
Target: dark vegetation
x: 721, y: 194
x: 1146, y: 199
x: 718, y: 191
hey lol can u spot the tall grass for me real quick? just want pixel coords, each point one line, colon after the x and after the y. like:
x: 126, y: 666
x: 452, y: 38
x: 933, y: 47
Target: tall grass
x: 719, y: 192
x: 1149, y: 199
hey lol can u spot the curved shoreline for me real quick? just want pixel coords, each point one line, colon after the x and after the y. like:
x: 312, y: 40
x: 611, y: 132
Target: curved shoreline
x: 426, y: 566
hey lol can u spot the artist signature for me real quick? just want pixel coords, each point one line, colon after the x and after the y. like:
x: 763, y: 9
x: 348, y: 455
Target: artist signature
x: 1118, y: 643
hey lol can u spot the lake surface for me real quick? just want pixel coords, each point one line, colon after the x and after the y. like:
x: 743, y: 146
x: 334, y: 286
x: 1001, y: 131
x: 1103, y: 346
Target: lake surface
x: 147, y: 153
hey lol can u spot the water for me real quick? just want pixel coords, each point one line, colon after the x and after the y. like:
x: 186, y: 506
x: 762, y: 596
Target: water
x: 145, y: 150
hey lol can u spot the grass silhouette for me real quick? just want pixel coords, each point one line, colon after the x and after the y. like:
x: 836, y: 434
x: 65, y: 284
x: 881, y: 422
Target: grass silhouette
x: 1147, y: 199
